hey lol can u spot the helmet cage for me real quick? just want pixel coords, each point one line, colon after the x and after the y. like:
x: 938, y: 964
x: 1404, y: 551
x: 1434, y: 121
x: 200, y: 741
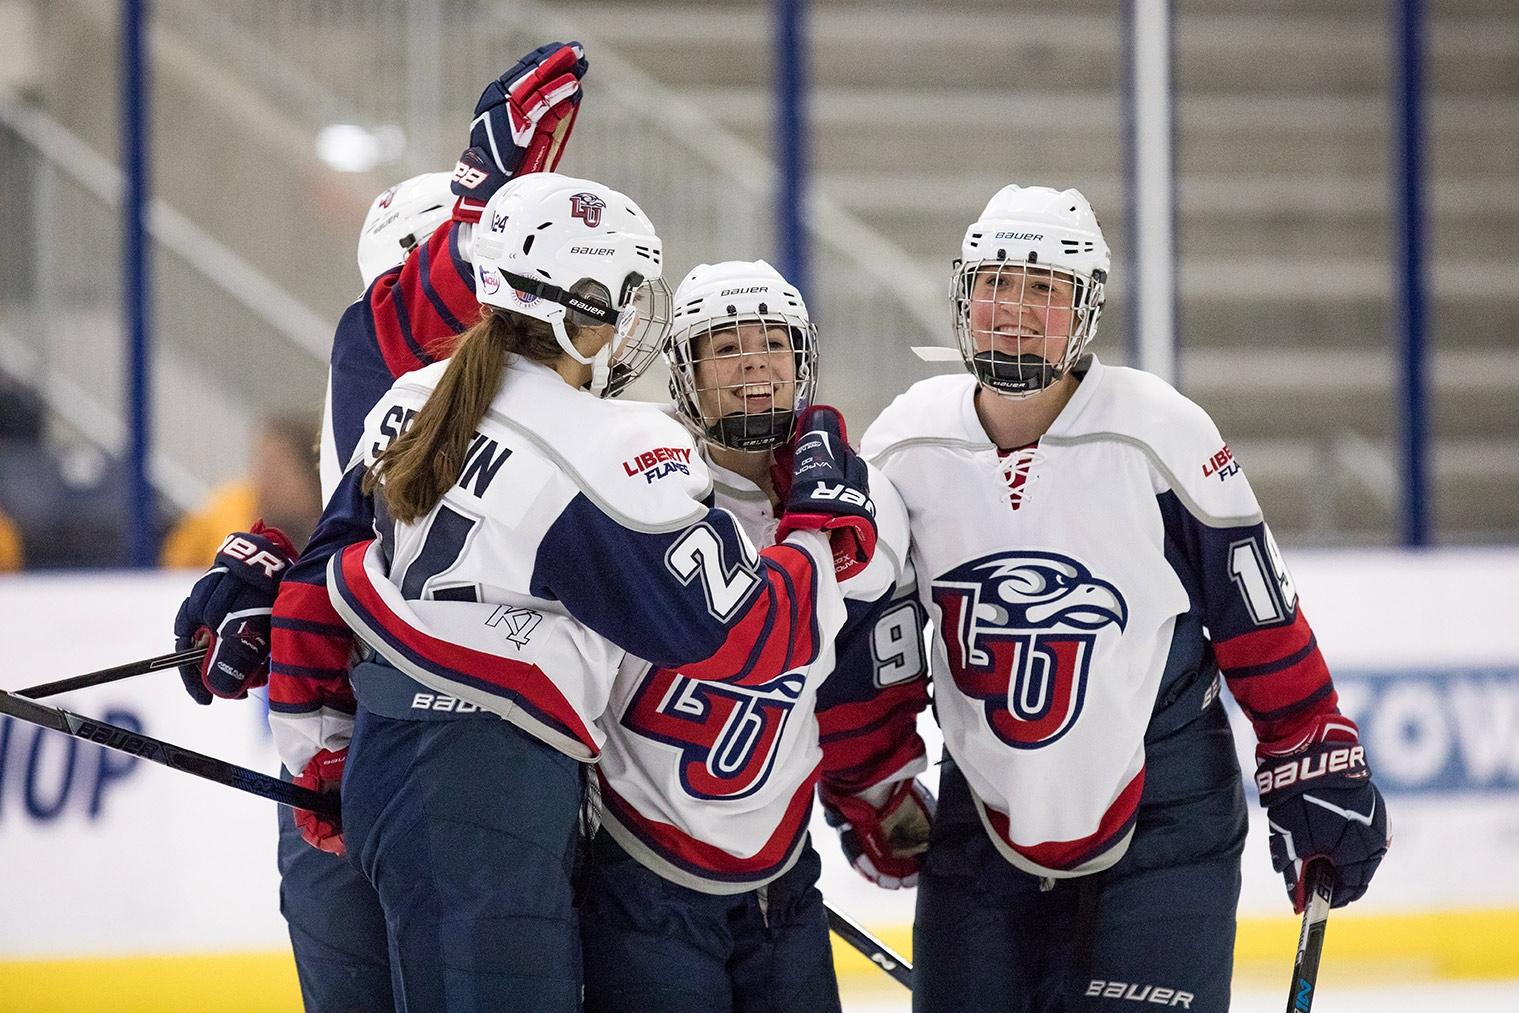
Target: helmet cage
x: 1031, y: 368
x: 768, y: 427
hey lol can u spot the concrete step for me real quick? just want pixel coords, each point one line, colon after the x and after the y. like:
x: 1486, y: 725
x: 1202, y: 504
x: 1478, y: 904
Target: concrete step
x: 1318, y: 491
x: 1218, y: 215
x: 1009, y: 46
x: 1296, y: 393
x: 1067, y: 133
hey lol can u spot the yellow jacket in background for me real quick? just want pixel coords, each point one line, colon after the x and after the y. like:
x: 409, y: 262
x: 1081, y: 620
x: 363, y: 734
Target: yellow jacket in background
x: 194, y: 541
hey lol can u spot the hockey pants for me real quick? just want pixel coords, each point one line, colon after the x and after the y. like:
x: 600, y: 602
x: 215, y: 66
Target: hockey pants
x: 1155, y: 931
x: 337, y: 929
x: 468, y: 829
x: 651, y: 944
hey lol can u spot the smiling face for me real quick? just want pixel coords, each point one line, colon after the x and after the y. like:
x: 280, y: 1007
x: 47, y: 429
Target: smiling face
x: 1017, y: 309
x: 744, y: 369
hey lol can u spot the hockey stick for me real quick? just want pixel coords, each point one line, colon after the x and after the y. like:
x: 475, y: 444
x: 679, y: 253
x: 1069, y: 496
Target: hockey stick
x: 112, y: 674
x: 873, y: 949
x: 209, y: 767
x: 1310, y: 943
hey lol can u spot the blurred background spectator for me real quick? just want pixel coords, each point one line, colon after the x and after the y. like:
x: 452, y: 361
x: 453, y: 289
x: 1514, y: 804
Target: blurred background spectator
x: 282, y: 488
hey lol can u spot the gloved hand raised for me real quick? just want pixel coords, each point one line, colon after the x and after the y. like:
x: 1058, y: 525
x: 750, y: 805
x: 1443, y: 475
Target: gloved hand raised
x: 1321, y: 806
x: 828, y: 490
x: 228, y: 610
x: 521, y: 124
x: 883, y: 838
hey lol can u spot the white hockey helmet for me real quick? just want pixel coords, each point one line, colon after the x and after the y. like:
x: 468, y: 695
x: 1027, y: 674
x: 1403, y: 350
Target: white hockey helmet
x: 549, y: 245
x: 715, y: 298
x: 401, y: 218
x: 1027, y: 233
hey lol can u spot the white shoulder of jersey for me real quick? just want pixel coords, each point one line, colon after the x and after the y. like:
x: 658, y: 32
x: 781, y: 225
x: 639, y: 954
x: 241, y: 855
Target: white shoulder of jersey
x: 1188, y: 455
x: 890, y: 564
x: 634, y: 461
x: 930, y: 411
x: 384, y: 422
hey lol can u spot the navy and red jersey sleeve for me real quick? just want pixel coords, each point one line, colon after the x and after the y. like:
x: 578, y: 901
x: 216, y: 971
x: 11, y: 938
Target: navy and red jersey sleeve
x: 407, y: 319
x: 310, y: 645
x: 1260, y: 637
x: 868, y: 708
x: 695, y: 599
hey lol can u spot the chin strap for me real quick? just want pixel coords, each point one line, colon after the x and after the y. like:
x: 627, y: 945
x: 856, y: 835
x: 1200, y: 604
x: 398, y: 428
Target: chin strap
x: 601, y: 370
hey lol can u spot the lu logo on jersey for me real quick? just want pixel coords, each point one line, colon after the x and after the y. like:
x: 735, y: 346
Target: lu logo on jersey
x: 728, y: 737
x: 1020, y: 629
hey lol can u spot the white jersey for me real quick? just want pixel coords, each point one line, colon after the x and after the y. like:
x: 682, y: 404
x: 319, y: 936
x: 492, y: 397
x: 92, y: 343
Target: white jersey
x: 569, y: 507
x: 711, y: 785
x: 1062, y: 579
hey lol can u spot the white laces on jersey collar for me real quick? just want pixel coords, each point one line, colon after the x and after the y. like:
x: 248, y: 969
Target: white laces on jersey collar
x: 1016, y: 467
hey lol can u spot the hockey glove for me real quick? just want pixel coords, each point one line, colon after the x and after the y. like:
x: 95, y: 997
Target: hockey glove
x: 885, y: 843
x: 521, y: 124
x: 228, y: 610
x: 829, y: 490
x: 324, y: 772
x: 1320, y: 804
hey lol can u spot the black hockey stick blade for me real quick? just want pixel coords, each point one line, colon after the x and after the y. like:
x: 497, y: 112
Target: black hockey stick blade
x: 209, y: 767
x: 875, y: 951
x: 1310, y: 943
x: 105, y: 675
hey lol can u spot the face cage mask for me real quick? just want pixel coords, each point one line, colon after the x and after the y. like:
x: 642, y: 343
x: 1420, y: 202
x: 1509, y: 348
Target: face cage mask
x: 1025, y: 373
x: 756, y: 431
x: 641, y: 326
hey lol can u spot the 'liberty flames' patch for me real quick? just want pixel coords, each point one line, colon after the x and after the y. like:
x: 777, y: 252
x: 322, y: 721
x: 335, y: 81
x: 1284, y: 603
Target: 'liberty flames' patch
x: 1020, y: 629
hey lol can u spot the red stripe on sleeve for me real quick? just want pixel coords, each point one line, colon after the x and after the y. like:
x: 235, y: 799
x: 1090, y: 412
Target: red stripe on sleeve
x: 1279, y: 677
x: 1263, y: 647
x: 778, y: 631
x: 299, y: 656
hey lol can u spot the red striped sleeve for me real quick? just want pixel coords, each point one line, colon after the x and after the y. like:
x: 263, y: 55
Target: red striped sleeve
x: 1279, y: 678
x: 778, y: 632
x: 310, y: 647
x: 866, y: 742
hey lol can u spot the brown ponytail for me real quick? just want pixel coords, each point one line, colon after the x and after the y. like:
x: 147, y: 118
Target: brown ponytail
x: 420, y: 465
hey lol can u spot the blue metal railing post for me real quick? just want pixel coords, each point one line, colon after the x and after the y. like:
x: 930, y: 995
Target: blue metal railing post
x: 141, y: 534
x: 1410, y: 281
x: 791, y: 140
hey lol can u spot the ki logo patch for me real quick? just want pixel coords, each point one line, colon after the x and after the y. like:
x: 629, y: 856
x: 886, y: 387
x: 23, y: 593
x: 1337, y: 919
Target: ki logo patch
x: 1020, y: 629
x: 516, y: 624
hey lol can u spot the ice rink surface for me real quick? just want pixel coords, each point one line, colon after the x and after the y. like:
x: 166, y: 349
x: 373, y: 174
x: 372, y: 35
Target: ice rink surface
x: 1449, y: 997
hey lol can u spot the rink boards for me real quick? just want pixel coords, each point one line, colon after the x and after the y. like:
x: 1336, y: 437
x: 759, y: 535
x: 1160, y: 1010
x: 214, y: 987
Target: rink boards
x: 109, y: 857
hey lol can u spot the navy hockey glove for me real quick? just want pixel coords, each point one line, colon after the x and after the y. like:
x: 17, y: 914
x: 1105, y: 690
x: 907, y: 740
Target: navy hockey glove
x: 828, y: 490
x: 228, y: 610
x: 1321, y: 805
x: 521, y: 124
x: 884, y: 842
x: 324, y: 772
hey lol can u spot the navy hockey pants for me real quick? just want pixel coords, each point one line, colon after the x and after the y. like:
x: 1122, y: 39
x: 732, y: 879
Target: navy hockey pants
x: 337, y: 929
x: 651, y: 944
x: 468, y: 828
x: 1156, y: 931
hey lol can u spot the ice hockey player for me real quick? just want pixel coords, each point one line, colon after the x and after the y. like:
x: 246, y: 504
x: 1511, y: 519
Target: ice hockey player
x: 417, y: 287
x: 1092, y: 558
x: 511, y: 497
x: 702, y: 893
